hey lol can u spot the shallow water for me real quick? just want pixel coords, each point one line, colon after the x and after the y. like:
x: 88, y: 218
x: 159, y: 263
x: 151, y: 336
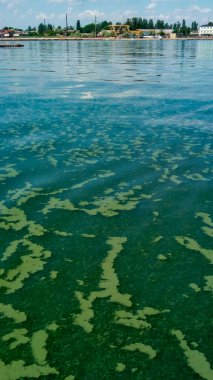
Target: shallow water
x: 106, y: 210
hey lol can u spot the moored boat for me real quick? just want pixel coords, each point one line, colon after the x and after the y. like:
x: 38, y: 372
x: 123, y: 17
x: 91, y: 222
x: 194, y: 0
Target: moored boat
x: 11, y: 46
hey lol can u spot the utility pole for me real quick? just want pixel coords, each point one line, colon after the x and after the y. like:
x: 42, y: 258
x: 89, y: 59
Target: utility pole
x: 66, y: 23
x: 95, y: 25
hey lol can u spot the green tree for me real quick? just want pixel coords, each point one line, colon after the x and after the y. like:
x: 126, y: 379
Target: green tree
x: 194, y: 26
x: 78, y: 25
x: 160, y: 24
x: 49, y: 27
x: 105, y: 24
x: 151, y: 24
x: 42, y: 28
x: 139, y: 23
x: 183, y: 28
x: 134, y: 23
x: 176, y: 27
x: 145, y: 24
x: 89, y: 28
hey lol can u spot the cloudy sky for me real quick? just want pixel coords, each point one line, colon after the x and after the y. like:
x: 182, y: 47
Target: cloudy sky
x: 21, y: 13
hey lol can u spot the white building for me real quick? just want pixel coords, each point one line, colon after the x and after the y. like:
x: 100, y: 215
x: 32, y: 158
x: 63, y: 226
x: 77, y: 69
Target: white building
x: 205, y: 30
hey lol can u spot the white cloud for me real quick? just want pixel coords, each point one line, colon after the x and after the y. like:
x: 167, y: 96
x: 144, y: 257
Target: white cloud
x: 122, y: 16
x: 129, y: 13
x: 196, y: 8
x: 151, y: 6
x: 163, y: 17
x: 56, y: 1
x: 44, y: 16
x: 91, y: 14
x: 14, y: 3
x: 72, y: 2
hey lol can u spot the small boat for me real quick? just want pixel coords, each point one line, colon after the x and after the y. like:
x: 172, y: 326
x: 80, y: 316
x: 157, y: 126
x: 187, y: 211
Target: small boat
x: 11, y: 46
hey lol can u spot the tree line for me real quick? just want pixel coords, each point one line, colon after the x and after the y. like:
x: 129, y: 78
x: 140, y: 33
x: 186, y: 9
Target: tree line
x: 95, y: 28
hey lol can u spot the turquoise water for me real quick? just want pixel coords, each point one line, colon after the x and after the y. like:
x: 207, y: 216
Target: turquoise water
x: 106, y: 210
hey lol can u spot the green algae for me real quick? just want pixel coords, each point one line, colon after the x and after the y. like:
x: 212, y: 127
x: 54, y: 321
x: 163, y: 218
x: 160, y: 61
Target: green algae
x: 137, y: 320
x: 207, y: 230
x: 8, y: 172
x: 195, y: 287
x: 128, y: 319
x: 63, y: 233
x: 15, y: 219
x: 195, y: 177
x: 120, y: 367
x: 109, y: 280
x: 195, y: 359
x: 108, y: 191
x: 38, y: 345
x: 18, y: 369
x: 209, y: 283
x: 53, y: 326
x: 24, y: 194
x: 144, y: 349
x: 167, y: 177
x: 156, y: 213
x: 18, y: 337
x: 109, y: 284
x: 164, y: 176
x: 83, y: 203
x: 53, y: 274
x: 107, y: 206
x: 30, y: 264
x: 55, y: 203
x: 112, y: 205
x: 157, y: 239
x: 161, y: 257
x: 194, y: 246
x: 205, y: 217
x: 90, y: 236
x: 83, y: 319
x: 156, y: 154
x: 9, y: 312
x: 175, y: 179
x: 102, y: 175
x: 52, y: 161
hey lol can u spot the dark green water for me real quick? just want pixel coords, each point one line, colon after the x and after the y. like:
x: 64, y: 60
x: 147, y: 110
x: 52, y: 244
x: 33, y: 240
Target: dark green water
x: 106, y: 219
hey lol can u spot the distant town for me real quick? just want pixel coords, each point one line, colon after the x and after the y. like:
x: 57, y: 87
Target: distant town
x: 135, y: 27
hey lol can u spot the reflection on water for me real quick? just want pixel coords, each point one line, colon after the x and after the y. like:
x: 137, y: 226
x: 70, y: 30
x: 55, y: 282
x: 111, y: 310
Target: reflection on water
x: 105, y: 210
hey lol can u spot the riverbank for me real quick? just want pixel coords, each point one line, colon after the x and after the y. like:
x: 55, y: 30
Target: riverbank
x: 101, y: 39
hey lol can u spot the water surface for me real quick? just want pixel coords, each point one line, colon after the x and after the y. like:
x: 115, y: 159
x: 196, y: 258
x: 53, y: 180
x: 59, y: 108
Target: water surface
x: 106, y: 210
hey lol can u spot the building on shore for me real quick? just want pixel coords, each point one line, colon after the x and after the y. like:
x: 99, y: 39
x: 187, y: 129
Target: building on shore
x: 205, y: 30
x: 9, y: 33
x: 118, y: 30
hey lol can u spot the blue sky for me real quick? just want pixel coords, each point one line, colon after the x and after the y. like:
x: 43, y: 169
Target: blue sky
x: 21, y: 13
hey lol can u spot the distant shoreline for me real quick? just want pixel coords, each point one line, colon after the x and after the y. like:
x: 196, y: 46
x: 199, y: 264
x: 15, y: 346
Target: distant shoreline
x: 103, y: 39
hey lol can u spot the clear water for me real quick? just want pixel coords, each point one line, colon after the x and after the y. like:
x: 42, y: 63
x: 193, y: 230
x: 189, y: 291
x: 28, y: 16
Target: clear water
x: 106, y: 210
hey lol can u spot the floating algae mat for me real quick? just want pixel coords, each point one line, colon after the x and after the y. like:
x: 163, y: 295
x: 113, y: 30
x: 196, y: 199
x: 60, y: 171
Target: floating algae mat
x: 106, y: 219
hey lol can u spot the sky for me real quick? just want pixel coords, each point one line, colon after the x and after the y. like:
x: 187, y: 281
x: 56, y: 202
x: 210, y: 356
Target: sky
x: 22, y: 13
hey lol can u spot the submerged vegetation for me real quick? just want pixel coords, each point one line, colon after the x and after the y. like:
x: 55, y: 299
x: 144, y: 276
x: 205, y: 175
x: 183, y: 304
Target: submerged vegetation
x: 106, y: 222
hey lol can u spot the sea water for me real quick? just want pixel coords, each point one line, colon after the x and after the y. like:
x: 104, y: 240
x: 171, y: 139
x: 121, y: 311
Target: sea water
x: 106, y: 210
